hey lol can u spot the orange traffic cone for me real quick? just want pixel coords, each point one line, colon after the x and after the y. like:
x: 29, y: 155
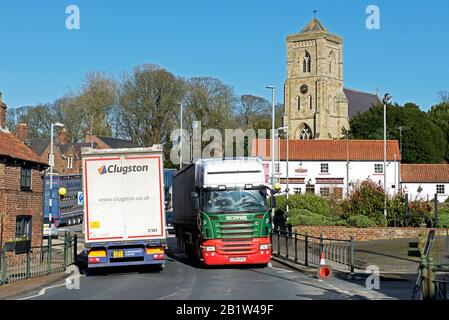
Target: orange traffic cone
x: 324, y: 271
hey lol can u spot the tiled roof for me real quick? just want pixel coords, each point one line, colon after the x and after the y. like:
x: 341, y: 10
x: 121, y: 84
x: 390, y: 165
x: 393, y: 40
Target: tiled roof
x: 425, y: 173
x: 314, y: 26
x: 38, y: 145
x: 116, y: 143
x: 360, y: 101
x: 329, y: 150
x: 13, y: 148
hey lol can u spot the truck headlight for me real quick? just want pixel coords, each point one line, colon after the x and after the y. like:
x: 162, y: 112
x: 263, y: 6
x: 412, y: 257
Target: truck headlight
x: 209, y: 248
x: 264, y: 246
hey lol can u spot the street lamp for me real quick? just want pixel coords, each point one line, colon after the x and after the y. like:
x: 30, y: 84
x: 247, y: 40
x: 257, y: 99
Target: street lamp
x: 285, y: 129
x: 400, y: 128
x: 272, y: 133
x: 272, y: 142
x: 182, y: 136
x: 386, y: 99
x: 52, y: 164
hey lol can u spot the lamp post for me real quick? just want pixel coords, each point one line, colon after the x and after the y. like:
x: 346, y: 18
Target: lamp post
x: 386, y: 99
x: 272, y: 133
x: 285, y: 129
x: 52, y: 164
x: 182, y: 135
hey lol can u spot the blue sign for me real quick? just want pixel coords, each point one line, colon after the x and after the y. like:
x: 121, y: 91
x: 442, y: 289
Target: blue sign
x: 80, y: 198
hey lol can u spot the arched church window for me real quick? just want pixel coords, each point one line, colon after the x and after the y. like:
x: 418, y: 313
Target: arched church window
x: 332, y: 62
x: 304, y: 132
x: 307, y: 63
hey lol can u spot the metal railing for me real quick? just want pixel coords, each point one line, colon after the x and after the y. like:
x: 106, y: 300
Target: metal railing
x: 306, y: 250
x: 38, y: 261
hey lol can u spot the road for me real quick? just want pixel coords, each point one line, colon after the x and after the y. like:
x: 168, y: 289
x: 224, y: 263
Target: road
x: 182, y: 281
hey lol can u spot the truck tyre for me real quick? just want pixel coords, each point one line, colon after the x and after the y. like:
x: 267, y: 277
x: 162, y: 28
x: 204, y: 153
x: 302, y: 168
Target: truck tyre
x: 197, y: 253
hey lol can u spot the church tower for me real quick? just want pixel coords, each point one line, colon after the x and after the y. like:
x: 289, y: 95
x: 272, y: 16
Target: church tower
x: 315, y: 104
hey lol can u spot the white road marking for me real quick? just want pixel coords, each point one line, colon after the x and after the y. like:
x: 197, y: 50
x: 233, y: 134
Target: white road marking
x: 166, y: 297
x: 280, y: 270
x: 44, y: 290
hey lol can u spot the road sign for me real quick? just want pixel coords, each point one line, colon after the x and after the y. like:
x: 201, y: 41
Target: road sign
x: 80, y: 198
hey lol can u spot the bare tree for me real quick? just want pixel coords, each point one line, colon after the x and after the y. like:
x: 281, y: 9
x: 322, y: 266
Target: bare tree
x: 148, y: 101
x: 97, y: 98
x: 252, y: 109
x: 444, y: 96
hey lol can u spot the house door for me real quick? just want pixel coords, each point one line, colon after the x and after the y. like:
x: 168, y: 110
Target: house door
x: 338, y: 193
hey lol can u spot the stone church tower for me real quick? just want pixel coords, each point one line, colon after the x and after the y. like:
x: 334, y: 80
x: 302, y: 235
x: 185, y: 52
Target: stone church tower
x: 315, y: 104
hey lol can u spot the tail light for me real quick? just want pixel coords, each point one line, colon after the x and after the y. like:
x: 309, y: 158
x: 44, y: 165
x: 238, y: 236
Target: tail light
x: 159, y: 256
x: 94, y: 260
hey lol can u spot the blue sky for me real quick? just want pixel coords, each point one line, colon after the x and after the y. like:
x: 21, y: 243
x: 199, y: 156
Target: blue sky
x: 240, y: 42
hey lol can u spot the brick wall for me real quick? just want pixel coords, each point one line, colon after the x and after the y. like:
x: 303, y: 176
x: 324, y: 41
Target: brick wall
x: 360, y: 234
x: 14, y: 202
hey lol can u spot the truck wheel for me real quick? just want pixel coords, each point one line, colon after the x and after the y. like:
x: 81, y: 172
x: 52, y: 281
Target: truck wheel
x: 198, y: 255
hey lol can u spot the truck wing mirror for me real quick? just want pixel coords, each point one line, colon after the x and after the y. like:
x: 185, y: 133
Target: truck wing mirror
x: 195, y: 200
x: 196, y: 204
x: 194, y: 195
x: 273, y: 201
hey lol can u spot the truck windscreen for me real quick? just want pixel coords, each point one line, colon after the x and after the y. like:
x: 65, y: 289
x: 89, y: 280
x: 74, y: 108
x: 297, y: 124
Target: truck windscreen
x: 234, y: 201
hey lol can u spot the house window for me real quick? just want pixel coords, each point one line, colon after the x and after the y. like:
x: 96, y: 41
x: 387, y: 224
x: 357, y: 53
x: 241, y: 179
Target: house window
x: 378, y: 168
x: 297, y: 190
x: 325, y: 192
x: 440, y: 189
x: 25, y: 179
x: 310, y: 189
x: 23, y: 227
x: 325, y: 168
x: 70, y: 163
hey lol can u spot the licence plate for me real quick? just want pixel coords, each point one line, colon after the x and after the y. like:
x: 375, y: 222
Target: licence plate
x: 117, y: 254
x: 243, y: 259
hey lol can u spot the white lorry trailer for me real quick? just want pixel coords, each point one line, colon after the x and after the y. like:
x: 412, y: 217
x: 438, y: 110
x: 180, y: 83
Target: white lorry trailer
x: 124, y: 218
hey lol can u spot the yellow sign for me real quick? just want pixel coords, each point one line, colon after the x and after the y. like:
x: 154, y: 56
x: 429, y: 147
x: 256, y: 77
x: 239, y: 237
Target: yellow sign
x: 62, y: 191
x: 117, y: 254
x: 95, y: 224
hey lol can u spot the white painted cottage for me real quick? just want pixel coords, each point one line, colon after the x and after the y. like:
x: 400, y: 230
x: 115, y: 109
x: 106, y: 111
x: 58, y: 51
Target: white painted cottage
x: 424, y: 181
x: 330, y: 167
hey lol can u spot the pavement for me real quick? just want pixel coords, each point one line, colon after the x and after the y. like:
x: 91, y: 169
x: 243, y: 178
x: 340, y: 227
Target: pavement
x: 181, y: 280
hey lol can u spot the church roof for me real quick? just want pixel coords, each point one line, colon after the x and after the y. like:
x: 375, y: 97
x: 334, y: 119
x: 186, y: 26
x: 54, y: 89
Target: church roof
x: 314, y: 26
x: 359, y: 101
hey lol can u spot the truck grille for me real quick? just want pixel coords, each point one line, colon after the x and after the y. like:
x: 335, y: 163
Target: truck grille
x: 238, y: 247
x: 238, y: 229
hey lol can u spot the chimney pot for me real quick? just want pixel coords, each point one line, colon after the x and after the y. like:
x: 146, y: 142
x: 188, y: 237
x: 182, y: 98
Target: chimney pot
x: 2, y: 113
x: 62, y: 136
x: 22, y: 132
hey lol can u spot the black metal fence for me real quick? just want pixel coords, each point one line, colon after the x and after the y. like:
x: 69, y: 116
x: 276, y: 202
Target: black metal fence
x: 306, y: 250
x: 37, y: 261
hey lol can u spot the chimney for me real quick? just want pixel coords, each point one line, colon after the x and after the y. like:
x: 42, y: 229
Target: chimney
x: 2, y: 113
x: 22, y: 132
x: 62, y: 136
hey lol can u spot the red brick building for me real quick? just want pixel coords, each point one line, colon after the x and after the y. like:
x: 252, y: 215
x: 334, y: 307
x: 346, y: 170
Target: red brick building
x: 68, y: 155
x: 21, y: 188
